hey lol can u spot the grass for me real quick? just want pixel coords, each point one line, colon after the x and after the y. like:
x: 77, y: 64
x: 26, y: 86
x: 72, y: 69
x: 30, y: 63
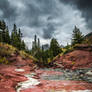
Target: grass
x: 7, y: 50
x: 25, y: 55
x: 3, y: 60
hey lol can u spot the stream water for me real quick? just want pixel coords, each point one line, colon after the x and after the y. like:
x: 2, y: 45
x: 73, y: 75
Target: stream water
x: 78, y: 75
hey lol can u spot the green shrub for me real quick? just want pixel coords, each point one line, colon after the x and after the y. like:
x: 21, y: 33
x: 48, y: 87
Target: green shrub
x: 6, y: 50
x: 25, y: 55
x: 3, y: 60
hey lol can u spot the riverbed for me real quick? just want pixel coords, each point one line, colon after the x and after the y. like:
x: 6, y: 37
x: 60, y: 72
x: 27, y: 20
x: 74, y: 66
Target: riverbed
x: 56, y: 80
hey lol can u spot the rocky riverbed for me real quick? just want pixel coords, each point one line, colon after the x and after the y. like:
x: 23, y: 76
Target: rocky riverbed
x: 66, y: 74
x: 57, y: 80
x: 14, y: 79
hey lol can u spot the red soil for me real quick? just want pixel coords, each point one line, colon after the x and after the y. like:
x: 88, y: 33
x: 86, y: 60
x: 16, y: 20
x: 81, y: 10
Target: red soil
x: 9, y: 79
x: 79, y: 58
x: 47, y: 86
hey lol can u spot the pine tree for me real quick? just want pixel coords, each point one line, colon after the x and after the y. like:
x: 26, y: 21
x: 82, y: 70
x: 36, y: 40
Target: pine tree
x: 7, y: 36
x: 3, y: 36
x: 54, y: 48
x: 15, y: 29
x: 16, y: 38
x: 2, y: 25
x: 77, y: 36
x: 23, y: 46
x: 1, y: 39
x: 38, y: 43
x: 35, y: 41
x: 4, y: 33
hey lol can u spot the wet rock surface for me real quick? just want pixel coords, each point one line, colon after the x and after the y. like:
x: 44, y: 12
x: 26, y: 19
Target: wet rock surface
x: 77, y: 75
x: 9, y: 77
x: 21, y: 79
x: 60, y: 81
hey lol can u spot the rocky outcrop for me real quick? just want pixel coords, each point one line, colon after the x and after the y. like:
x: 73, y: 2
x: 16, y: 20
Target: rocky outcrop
x: 9, y: 78
x: 84, y: 47
x: 80, y: 57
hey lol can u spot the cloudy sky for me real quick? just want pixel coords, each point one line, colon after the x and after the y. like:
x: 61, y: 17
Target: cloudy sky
x: 47, y: 18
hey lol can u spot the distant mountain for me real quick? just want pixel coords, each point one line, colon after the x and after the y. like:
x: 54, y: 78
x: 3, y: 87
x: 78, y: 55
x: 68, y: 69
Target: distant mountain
x: 89, y: 35
x: 62, y: 46
x: 45, y: 46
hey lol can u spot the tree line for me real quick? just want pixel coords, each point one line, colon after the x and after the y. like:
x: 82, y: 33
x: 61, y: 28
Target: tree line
x: 46, y: 56
x: 14, y: 39
x: 38, y: 51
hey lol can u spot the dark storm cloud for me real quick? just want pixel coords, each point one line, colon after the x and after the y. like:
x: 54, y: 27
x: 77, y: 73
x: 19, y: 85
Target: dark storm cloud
x: 33, y: 14
x: 47, y: 18
x: 38, y: 9
x: 8, y: 11
x: 38, y: 12
x: 48, y: 32
x: 85, y: 6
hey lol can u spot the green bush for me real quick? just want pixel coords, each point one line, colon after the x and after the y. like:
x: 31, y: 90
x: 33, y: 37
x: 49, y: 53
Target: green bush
x: 6, y: 50
x: 3, y: 60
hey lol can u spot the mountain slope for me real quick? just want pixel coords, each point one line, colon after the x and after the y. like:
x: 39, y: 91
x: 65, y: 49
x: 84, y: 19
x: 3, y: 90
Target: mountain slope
x: 80, y: 57
x: 88, y: 38
x: 11, y: 55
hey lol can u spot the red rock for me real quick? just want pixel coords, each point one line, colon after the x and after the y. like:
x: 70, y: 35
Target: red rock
x: 34, y: 89
x: 9, y: 78
x: 78, y: 58
x: 65, y: 85
x: 7, y: 90
x: 44, y: 72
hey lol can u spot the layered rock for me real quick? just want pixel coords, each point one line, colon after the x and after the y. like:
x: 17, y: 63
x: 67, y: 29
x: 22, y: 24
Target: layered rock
x: 80, y: 57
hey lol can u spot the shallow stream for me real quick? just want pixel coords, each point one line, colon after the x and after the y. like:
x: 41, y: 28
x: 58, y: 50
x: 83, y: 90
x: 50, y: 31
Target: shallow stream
x: 78, y: 75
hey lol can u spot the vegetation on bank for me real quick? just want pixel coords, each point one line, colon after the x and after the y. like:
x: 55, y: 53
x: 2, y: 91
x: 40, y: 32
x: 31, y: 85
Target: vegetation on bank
x: 38, y: 53
x: 7, y: 51
x: 15, y: 39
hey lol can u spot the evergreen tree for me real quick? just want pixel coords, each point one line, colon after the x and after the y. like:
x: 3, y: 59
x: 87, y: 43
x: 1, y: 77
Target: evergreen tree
x: 23, y: 46
x: 16, y: 38
x: 77, y: 36
x: 38, y: 43
x: 35, y: 42
x: 1, y: 39
x: 34, y: 46
x: 54, y: 48
x: 2, y: 25
x: 4, y: 33
x: 3, y: 36
x: 7, y: 36
x: 15, y: 29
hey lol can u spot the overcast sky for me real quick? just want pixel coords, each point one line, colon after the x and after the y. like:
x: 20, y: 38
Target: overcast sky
x: 48, y: 18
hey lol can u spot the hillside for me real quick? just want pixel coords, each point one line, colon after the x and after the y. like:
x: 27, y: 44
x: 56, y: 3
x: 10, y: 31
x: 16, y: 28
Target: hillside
x: 9, y: 55
x: 19, y: 73
x: 76, y: 56
x: 13, y: 65
x: 89, y: 38
x: 89, y: 35
x: 79, y: 57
